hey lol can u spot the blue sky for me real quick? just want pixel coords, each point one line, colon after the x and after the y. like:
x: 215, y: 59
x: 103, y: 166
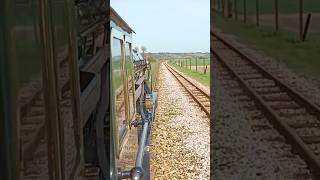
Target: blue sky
x: 168, y: 25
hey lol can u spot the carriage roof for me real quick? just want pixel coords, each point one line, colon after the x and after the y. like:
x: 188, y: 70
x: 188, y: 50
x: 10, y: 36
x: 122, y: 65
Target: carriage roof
x: 119, y: 23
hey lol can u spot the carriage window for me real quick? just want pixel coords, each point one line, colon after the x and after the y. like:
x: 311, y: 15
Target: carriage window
x: 118, y: 88
x: 130, y: 80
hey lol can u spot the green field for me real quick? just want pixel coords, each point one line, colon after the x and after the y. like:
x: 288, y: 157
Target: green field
x: 284, y: 6
x: 198, y: 76
x: 283, y: 46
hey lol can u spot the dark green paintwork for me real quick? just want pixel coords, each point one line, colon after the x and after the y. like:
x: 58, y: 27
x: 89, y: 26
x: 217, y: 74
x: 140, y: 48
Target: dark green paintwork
x: 7, y: 132
x: 26, y: 50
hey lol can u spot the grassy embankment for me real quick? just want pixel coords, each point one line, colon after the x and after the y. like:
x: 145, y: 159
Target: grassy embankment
x: 284, y: 6
x: 199, y: 62
x: 198, y: 76
x: 283, y: 46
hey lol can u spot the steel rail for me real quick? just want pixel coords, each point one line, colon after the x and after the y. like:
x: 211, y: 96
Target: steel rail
x: 296, y: 95
x: 283, y: 127
x: 196, y: 99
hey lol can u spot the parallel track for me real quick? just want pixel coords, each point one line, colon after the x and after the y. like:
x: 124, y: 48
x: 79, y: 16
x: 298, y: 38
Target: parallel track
x: 200, y: 97
x: 291, y: 113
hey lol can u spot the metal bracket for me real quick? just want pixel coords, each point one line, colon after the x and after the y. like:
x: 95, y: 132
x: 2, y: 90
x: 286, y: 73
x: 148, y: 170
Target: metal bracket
x: 148, y: 102
x: 137, y: 123
x: 136, y: 173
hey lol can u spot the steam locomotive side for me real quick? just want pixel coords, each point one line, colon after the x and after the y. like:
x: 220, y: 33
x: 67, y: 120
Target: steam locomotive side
x: 133, y: 111
x: 67, y: 109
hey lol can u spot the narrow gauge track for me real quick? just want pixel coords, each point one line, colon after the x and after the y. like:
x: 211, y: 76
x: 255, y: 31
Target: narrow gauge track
x: 295, y: 117
x: 200, y: 97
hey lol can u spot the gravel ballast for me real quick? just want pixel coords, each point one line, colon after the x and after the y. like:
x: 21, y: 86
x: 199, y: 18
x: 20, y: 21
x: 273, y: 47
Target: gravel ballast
x: 180, y: 134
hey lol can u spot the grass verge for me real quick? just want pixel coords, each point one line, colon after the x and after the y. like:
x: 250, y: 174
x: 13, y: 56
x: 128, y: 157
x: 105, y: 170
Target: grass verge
x: 283, y: 46
x: 194, y: 61
x: 200, y: 77
x: 267, y: 6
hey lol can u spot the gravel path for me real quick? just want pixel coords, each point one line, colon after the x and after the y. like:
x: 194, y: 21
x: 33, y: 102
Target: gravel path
x: 180, y: 137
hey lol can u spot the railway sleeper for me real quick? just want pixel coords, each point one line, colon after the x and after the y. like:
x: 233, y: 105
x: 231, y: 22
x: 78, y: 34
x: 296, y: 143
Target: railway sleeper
x: 38, y: 103
x: 222, y: 73
x: 315, y: 148
x: 261, y: 81
x: 258, y: 116
x: 303, y: 125
x: 281, y: 96
x: 200, y: 96
x: 311, y: 139
x: 243, y: 71
x: 258, y: 77
x: 229, y: 54
x: 36, y: 110
x: 302, y: 175
x: 225, y: 78
x: 280, y: 139
x: 248, y: 104
x: 230, y: 84
x: 268, y: 90
x: 288, y: 113
x: 206, y: 105
x: 236, y: 92
x: 311, y: 131
x: 303, y: 119
x: 240, y: 64
x: 30, y: 143
x: 261, y: 127
x: 245, y: 68
x: 260, y: 86
x: 244, y: 98
x: 37, y: 167
x: 284, y: 105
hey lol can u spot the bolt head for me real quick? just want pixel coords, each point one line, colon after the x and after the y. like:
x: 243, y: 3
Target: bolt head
x: 137, y: 173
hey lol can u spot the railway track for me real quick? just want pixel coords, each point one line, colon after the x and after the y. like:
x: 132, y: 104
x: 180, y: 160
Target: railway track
x: 200, y: 97
x: 295, y: 117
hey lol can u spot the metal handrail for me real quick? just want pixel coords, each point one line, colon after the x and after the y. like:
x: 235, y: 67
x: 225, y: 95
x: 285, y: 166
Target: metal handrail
x: 137, y: 172
x: 142, y: 143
